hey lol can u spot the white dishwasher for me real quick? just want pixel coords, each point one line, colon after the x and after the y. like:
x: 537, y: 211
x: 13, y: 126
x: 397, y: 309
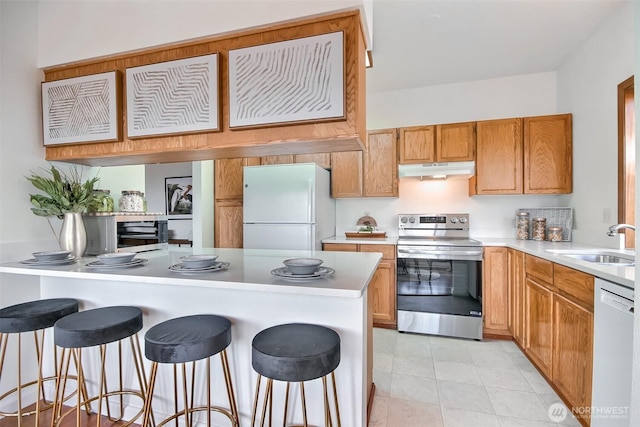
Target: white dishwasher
x: 612, y: 354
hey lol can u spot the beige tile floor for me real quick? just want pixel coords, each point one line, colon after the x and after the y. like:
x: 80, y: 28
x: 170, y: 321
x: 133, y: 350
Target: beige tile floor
x: 424, y: 381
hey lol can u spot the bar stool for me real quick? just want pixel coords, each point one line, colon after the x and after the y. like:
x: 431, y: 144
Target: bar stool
x: 91, y: 328
x: 190, y: 339
x: 33, y: 316
x: 295, y: 352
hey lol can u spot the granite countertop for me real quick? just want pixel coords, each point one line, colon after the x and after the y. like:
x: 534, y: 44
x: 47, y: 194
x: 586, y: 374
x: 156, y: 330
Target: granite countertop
x: 618, y: 274
x: 249, y: 269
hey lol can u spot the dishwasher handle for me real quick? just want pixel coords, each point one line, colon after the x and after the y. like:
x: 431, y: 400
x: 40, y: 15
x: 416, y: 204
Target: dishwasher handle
x: 617, y: 302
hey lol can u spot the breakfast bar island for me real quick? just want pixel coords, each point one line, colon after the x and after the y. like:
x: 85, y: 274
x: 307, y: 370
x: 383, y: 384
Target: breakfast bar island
x: 249, y: 295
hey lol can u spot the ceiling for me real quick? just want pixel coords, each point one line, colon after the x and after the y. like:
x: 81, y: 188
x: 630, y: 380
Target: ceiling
x: 432, y: 42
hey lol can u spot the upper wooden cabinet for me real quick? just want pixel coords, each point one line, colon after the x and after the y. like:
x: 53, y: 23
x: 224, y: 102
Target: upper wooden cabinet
x: 321, y: 159
x: 380, y: 164
x: 453, y: 142
x: 548, y: 155
x: 499, y: 157
x: 345, y: 133
x: 346, y: 174
x: 277, y: 160
x: 524, y: 156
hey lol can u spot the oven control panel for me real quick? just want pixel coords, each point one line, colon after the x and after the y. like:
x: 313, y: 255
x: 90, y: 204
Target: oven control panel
x: 433, y: 221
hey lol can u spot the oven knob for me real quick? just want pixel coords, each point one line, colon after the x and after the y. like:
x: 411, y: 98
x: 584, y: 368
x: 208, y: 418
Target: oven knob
x: 412, y: 220
x: 462, y: 220
x: 453, y: 220
x: 403, y: 220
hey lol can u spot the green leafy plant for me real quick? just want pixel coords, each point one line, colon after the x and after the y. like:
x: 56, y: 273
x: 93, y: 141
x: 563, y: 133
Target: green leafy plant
x: 65, y: 193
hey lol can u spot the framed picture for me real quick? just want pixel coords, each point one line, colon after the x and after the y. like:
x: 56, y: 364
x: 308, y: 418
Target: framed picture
x: 173, y: 97
x: 291, y: 81
x: 179, y: 197
x: 81, y: 109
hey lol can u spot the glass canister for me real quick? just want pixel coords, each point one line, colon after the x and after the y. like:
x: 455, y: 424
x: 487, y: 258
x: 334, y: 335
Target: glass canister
x: 101, y: 202
x: 522, y: 225
x: 539, y: 228
x: 554, y: 234
x: 131, y: 201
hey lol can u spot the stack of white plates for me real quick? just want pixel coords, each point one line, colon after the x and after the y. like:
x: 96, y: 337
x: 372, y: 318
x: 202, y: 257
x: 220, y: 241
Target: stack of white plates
x: 50, y: 258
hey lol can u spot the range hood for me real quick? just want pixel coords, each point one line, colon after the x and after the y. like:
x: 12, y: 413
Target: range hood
x: 445, y: 170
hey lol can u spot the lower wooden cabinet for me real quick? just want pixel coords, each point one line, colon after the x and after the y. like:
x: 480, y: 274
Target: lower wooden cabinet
x: 228, y: 224
x: 517, y: 296
x: 572, y: 351
x: 382, y: 289
x: 495, y: 301
x: 539, y: 326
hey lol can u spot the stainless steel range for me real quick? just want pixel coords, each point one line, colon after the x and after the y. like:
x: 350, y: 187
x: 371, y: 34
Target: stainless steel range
x: 439, y: 276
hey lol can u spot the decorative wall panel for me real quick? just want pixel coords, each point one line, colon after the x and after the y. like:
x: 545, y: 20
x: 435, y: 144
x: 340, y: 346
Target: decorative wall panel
x: 295, y: 80
x: 173, y: 97
x: 81, y: 109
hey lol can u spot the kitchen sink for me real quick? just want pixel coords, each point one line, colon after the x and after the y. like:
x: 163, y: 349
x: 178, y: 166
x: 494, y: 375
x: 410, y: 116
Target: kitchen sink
x: 599, y: 257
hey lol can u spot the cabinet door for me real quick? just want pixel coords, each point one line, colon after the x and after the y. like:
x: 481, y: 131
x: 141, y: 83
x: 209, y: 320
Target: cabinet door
x: 516, y: 288
x: 381, y: 164
x: 228, y: 224
x: 548, y: 154
x: 495, y: 301
x: 417, y: 144
x: 346, y: 174
x: 228, y: 179
x: 573, y: 351
x: 456, y: 142
x: 340, y: 247
x: 277, y: 160
x: 322, y: 159
x: 539, y: 330
x: 384, y: 294
x: 499, y: 157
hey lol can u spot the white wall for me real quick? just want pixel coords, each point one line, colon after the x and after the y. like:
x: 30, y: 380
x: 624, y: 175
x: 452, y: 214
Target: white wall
x: 154, y: 178
x: 518, y: 96
x: 587, y: 87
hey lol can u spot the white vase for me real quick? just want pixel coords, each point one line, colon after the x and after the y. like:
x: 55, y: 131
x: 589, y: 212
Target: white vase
x: 73, y: 235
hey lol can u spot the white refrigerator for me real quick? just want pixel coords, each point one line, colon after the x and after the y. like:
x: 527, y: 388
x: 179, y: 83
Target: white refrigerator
x: 287, y: 207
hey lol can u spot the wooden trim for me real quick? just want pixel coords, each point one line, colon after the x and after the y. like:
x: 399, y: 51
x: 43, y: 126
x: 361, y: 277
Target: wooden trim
x: 297, y: 138
x: 623, y: 89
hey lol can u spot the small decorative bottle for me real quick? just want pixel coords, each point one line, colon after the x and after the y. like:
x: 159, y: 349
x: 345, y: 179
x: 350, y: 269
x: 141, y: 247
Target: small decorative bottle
x: 522, y: 225
x: 539, y: 228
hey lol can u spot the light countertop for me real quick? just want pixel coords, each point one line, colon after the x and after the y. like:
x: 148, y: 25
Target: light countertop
x: 389, y: 240
x: 249, y: 270
x: 618, y: 274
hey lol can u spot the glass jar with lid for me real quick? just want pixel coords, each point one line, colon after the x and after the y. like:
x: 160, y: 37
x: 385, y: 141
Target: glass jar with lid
x: 554, y: 234
x: 101, y: 202
x: 522, y: 225
x: 539, y: 228
x: 131, y: 201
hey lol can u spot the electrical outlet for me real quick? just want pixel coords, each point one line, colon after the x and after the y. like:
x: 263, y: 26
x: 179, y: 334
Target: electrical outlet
x: 606, y: 215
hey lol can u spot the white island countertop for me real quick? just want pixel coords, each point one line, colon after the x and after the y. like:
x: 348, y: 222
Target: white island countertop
x: 249, y: 269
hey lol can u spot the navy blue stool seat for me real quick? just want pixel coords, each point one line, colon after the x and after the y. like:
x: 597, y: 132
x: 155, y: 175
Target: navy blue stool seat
x: 295, y: 353
x: 190, y: 339
x: 32, y: 316
x: 98, y: 328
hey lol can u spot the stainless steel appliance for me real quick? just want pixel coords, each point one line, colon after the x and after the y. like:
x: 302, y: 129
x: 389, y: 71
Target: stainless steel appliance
x: 613, y: 313
x: 287, y: 207
x: 120, y: 232
x: 439, y: 276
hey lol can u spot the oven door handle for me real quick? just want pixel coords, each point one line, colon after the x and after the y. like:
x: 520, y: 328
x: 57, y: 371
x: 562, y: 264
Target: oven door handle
x: 454, y: 255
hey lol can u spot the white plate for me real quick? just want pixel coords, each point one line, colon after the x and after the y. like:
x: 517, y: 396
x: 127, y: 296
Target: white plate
x: 103, y: 266
x: 116, y: 257
x: 214, y: 267
x: 322, y: 272
x: 51, y: 255
x: 34, y: 261
x: 198, y: 261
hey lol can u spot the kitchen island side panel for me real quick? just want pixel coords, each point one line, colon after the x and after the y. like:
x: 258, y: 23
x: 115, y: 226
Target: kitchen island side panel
x: 249, y: 312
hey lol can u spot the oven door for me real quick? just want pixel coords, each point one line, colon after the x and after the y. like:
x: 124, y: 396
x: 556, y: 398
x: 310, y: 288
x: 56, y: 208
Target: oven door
x: 443, y: 286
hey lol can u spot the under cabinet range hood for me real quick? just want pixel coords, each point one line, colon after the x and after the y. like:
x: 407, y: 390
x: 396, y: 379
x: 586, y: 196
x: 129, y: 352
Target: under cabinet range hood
x: 432, y: 171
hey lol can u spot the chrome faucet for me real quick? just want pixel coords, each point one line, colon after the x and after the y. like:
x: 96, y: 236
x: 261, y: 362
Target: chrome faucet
x: 614, y: 231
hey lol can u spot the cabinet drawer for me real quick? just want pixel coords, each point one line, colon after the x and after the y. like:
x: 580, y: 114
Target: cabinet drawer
x: 574, y: 283
x: 540, y: 268
x: 388, y: 251
x: 340, y: 247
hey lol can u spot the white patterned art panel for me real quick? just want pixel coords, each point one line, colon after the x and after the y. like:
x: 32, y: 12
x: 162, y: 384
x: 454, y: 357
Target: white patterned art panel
x: 295, y: 80
x: 81, y: 109
x: 173, y: 97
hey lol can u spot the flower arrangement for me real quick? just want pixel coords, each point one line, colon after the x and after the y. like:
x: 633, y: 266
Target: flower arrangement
x: 65, y: 193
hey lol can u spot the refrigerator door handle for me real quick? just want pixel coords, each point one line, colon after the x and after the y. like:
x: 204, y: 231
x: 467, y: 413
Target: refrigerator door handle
x: 311, y: 198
